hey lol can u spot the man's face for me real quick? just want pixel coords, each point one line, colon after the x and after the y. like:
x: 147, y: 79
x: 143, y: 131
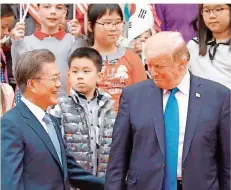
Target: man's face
x: 83, y: 75
x: 47, y: 83
x: 51, y: 15
x: 6, y: 23
x: 166, y: 73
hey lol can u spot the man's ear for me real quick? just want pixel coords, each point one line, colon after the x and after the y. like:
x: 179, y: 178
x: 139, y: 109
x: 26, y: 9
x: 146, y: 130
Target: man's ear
x: 31, y: 85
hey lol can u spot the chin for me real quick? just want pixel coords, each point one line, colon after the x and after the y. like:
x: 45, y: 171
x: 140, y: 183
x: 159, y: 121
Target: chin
x: 54, y: 101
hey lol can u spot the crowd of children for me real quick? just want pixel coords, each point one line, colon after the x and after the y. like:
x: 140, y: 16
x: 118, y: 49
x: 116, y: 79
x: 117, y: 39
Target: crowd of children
x: 94, y: 68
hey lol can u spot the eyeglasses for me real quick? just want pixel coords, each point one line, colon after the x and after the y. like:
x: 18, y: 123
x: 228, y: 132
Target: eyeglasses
x: 216, y: 11
x: 53, y: 79
x: 108, y: 25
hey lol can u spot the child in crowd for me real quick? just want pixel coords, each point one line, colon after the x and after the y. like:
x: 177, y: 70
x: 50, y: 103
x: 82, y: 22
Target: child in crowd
x: 121, y: 67
x: 7, y: 19
x: 87, y: 114
x: 210, y: 52
x: 51, y: 37
x: 6, y: 91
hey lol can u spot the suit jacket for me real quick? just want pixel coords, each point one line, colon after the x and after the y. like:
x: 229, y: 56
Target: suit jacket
x: 137, y: 157
x: 29, y: 160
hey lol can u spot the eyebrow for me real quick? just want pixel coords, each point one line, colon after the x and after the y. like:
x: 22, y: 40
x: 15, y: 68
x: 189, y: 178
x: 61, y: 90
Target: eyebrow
x: 80, y: 68
x: 107, y: 19
x: 207, y: 7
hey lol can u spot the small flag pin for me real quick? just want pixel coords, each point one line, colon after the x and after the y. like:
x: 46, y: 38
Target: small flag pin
x: 198, y: 95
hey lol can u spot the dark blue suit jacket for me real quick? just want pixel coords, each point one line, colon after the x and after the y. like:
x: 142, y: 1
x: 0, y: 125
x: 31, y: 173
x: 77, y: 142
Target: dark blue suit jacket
x: 137, y: 155
x: 29, y: 160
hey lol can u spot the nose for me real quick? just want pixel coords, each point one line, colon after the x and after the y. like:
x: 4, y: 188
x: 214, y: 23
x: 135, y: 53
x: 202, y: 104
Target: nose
x: 58, y: 84
x: 80, y: 75
x: 211, y: 13
x: 53, y: 8
x: 113, y: 28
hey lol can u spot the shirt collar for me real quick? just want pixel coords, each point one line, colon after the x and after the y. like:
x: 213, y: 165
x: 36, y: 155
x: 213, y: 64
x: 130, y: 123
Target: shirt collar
x: 37, y: 111
x: 58, y: 35
x: 113, y: 57
x: 184, y: 85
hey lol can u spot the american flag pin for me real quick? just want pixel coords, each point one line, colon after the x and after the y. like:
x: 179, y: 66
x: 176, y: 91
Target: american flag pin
x: 198, y: 95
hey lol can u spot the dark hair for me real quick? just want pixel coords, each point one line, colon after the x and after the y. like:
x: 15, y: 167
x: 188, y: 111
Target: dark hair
x: 6, y: 10
x: 30, y: 64
x: 203, y: 33
x: 96, y: 11
x: 88, y: 53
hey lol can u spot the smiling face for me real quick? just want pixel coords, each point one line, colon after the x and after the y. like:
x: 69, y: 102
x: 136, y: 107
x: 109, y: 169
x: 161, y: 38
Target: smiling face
x: 46, y: 84
x: 216, y: 17
x: 108, y: 28
x: 51, y: 15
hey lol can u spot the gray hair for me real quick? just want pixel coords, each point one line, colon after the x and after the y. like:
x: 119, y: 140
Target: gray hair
x: 30, y: 64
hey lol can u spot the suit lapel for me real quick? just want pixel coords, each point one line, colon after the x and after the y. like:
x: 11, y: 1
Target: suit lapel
x: 33, y: 122
x: 156, y: 108
x: 194, y: 108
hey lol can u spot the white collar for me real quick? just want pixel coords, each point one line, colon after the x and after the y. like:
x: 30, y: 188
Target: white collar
x: 184, y: 85
x: 37, y: 111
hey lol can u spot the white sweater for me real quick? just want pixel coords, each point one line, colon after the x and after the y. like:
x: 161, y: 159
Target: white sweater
x: 219, y: 69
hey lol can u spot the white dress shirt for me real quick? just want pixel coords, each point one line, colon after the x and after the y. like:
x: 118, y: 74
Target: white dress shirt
x: 37, y: 111
x: 182, y: 97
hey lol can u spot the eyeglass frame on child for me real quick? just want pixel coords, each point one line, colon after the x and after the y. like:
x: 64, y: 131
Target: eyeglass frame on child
x: 218, y: 11
x: 109, y: 23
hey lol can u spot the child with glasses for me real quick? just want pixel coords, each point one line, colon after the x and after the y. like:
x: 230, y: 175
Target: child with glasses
x: 121, y: 67
x: 210, y: 52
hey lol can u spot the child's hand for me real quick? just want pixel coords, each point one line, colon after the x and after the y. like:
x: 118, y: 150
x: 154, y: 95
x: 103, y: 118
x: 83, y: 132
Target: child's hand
x: 141, y: 38
x: 75, y: 28
x: 18, y: 31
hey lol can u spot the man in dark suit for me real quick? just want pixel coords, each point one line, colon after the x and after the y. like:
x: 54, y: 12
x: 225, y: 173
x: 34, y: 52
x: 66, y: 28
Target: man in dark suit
x: 33, y: 155
x: 172, y: 132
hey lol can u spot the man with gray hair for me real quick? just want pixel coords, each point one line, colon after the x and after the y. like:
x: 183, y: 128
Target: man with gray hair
x: 172, y: 132
x: 33, y: 155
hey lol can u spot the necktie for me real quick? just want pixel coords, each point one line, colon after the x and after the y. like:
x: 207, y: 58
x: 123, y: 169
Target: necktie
x: 171, y: 120
x: 53, y: 136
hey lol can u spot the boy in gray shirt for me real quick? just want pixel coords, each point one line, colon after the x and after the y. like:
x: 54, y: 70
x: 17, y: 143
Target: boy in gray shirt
x: 50, y: 37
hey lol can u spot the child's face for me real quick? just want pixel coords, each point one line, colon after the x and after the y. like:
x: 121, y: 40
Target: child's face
x: 216, y: 17
x: 51, y: 15
x: 106, y: 34
x: 6, y: 23
x: 83, y: 75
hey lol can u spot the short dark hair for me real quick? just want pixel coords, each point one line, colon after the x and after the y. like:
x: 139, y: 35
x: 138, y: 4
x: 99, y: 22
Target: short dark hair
x: 95, y: 12
x: 88, y: 53
x: 6, y: 10
x: 30, y: 64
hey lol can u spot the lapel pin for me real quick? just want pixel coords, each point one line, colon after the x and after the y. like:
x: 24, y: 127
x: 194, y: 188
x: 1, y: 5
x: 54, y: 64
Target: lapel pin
x: 198, y: 95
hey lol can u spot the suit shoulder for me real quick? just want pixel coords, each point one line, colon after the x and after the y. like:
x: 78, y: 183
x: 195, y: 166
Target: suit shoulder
x: 139, y: 86
x: 213, y: 86
x: 11, y: 115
